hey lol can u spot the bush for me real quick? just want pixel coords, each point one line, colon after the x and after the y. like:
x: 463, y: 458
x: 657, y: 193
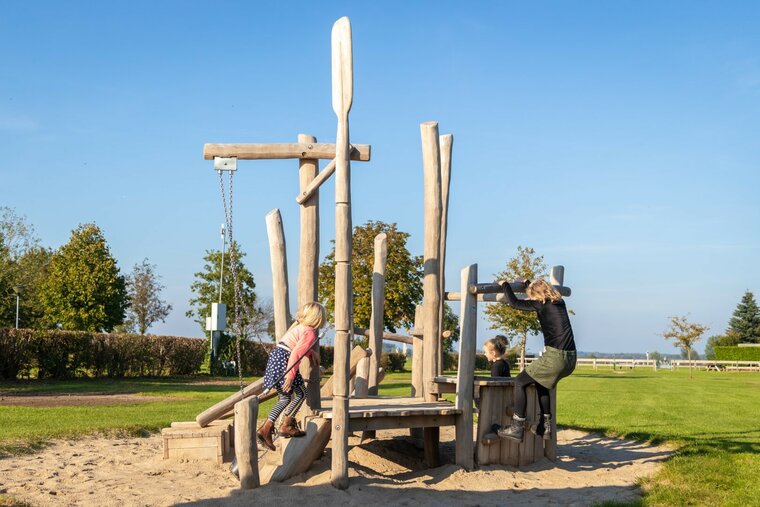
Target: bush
x: 64, y: 354
x: 737, y: 353
x: 326, y: 356
x: 393, y: 361
x: 482, y: 362
x: 450, y: 361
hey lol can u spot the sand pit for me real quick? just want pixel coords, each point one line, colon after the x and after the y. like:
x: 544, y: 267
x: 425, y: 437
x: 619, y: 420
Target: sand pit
x: 131, y: 472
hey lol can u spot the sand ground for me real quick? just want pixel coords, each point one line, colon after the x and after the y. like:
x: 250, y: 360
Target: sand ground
x: 388, y: 471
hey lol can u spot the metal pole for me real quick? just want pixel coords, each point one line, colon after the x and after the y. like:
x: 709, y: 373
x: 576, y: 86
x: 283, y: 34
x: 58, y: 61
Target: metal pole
x: 17, y: 299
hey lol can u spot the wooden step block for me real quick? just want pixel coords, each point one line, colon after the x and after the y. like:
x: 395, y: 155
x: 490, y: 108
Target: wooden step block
x: 190, y: 441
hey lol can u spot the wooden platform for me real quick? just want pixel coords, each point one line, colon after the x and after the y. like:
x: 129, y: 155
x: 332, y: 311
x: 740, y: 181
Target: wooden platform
x: 187, y: 440
x: 385, y: 412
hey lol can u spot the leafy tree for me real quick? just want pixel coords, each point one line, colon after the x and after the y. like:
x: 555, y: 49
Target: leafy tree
x: 403, y: 277
x: 515, y: 323
x: 206, y: 291
x: 656, y: 356
x: 145, y: 304
x: 745, y: 322
x: 23, y: 264
x: 451, y: 324
x: 685, y: 334
x: 84, y: 290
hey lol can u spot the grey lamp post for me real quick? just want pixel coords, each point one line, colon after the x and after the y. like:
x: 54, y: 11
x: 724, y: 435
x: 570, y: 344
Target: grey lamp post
x: 17, y: 291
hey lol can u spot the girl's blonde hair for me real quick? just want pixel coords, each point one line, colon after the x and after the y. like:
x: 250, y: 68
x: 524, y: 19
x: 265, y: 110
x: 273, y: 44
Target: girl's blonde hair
x: 499, y: 343
x: 540, y: 290
x: 312, y: 315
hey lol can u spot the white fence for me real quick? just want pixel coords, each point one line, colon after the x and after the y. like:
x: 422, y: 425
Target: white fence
x: 701, y: 364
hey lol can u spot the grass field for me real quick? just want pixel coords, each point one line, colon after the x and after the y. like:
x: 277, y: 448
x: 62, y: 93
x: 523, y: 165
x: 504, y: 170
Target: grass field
x: 713, y: 420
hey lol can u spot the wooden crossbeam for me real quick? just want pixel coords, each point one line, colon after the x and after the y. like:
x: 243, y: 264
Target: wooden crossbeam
x: 360, y: 152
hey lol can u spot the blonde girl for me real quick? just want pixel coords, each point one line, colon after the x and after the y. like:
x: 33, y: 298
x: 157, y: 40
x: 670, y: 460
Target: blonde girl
x: 282, y: 372
x: 557, y: 361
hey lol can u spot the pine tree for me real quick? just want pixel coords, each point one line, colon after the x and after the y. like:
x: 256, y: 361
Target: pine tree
x: 745, y: 322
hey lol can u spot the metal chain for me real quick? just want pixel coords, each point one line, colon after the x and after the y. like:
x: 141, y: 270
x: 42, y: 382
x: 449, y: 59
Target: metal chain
x: 233, y: 268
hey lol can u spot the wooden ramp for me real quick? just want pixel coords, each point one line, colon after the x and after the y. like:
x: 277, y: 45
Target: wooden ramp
x: 384, y: 412
x: 295, y: 455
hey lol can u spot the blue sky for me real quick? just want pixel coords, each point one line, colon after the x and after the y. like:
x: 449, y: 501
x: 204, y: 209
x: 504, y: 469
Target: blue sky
x: 619, y: 139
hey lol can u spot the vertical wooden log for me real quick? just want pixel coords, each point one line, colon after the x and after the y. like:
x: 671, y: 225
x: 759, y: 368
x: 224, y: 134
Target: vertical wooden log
x: 510, y: 450
x: 431, y: 161
x: 417, y: 353
x: 494, y: 452
x: 465, y: 374
x: 550, y: 446
x: 446, y: 144
x: 308, y: 263
x: 361, y: 381
x: 377, y: 318
x: 246, y: 452
x: 417, y: 358
x: 342, y: 97
x: 557, y: 276
x: 279, y: 273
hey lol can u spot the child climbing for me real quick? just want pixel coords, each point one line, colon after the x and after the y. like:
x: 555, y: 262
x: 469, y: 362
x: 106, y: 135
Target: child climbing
x: 283, y: 375
x: 495, y: 348
x: 557, y: 361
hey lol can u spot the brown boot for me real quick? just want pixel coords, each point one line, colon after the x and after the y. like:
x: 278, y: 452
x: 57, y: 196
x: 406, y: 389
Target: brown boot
x: 264, y: 435
x: 290, y: 428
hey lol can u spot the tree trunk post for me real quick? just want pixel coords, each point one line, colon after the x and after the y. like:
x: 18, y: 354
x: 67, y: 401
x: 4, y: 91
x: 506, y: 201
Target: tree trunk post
x: 279, y: 273
x: 308, y: 265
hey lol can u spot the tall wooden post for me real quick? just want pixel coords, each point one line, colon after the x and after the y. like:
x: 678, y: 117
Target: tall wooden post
x: 342, y: 96
x: 466, y: 371
x: 377, y: 318
x: 431, y: 161
x: 417, y: 352
x: 446, y: 142
x: 246, y: 452
x: 280, y: 299
x: 308, y: 265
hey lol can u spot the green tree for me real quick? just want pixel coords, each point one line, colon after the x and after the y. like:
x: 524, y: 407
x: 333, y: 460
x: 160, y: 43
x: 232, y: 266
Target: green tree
x: 23, y: 265
x: 515, y: 323
x: 685, y: 334
x: 206, y: 291
x: 745, y: 322
x: 84, y: 290
x: 145, y: 304
x: 451, y: 324
x: 403, y: 277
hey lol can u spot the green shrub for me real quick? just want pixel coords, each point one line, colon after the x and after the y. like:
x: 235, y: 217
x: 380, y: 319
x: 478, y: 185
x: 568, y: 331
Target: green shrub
x: 15, y: 352
x: 450, y: 361
x: 737, y: 353
x: 482, y: 362
x: 393, y: 361
x: 326, y: 356
x: 64, y: 354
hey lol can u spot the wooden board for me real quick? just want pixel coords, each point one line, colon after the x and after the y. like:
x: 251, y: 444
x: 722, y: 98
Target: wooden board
x: 269, y: 151
x: 210, y: 443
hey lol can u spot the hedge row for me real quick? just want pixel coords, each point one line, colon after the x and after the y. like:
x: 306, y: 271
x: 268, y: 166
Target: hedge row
x: 737, y: 353
x: 66, y: 354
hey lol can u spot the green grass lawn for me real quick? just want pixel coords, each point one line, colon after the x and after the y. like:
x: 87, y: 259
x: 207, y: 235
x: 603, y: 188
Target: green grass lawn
x: 713, y: 420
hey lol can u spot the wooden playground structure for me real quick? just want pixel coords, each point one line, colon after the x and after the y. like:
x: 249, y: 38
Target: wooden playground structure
x: 348, y: 401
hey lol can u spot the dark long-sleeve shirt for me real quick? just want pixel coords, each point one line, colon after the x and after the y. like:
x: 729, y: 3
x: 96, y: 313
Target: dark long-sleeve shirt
x: 555, y: 323
x: 500, y: 368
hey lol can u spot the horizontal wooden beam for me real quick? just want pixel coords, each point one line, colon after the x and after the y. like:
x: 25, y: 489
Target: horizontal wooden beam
x: 359, y: 152
x: 495, y: 288
x: 394, y: 337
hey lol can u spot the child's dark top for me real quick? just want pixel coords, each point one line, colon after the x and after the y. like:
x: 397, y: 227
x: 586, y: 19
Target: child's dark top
x: 500, y: 368
x: 555, y: 323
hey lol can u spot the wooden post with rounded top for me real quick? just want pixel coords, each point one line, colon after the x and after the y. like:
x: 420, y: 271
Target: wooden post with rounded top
x: 246, y: 452
x: 557, y: 277
x: 446, y: 143
x: 466, y: 370
x: 431, y: 163
x: 342, y: 97
x: 308, y: 262
x: 377, y: 317
x: 280, y: 299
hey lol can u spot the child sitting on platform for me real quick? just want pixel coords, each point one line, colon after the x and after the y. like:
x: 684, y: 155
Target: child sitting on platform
x: 495, y: 348
x: 282, y: 372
